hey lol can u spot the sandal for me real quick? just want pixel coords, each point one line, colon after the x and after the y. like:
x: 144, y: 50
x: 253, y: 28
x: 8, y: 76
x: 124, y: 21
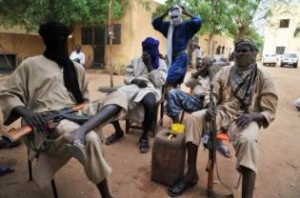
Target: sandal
x: 78, y: 151
x: 114, y: 138
x: 144, y: 145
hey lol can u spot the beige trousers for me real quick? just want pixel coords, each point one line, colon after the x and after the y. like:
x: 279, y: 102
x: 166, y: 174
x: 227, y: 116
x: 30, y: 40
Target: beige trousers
x: 95, y: 165
x: 244, y: 141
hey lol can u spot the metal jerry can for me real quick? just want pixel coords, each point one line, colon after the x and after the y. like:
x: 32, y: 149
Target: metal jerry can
x: 168, y: 157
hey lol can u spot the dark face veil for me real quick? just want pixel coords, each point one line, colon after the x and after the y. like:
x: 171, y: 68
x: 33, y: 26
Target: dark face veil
x: 55, y: 36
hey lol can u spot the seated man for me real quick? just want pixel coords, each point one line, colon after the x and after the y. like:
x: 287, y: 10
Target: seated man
x: 47, y: 83
x: 179, y: 100
x: 246, y: 101
x: 144, y: 79
x: 199, y: 82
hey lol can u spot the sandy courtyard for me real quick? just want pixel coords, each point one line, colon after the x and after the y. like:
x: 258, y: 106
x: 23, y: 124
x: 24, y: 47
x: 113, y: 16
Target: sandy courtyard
x: 279, y: 168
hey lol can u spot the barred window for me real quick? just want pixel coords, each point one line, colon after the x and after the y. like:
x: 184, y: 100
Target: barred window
x: 280, y: 50
x: 99, y: 34
x: 87, y: 36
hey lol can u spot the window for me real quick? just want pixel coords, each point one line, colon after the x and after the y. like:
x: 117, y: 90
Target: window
x: 280, y: 50
x: 284, y: 23
x: 98, y: 35
x: 87, y: 36
x: 7, y: 62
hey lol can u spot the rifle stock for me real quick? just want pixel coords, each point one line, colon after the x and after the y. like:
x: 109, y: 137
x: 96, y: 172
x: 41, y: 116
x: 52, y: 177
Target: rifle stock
x: 15, y: 134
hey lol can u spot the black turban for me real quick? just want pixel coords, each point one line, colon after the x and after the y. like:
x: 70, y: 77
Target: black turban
x: 247, y: 42
x: 54, y: 28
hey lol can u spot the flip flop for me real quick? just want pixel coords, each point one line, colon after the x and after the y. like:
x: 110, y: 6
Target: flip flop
x: 5, y: 170
x: 78, y: 151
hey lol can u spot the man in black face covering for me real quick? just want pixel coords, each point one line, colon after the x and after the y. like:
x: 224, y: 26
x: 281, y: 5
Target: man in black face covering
x: 48, y: 83
x: 246, y: 101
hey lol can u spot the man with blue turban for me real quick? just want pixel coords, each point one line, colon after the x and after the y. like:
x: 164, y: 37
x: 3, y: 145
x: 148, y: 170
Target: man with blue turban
x: 178, y: 33
x: 144, y: 79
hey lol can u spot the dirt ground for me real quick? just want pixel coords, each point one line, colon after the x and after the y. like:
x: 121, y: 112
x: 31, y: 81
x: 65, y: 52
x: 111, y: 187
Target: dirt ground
x: 279, y: 168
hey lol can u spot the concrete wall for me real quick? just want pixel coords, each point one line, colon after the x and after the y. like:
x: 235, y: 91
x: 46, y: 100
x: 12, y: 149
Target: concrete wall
x: 217, y: 40
x: 20, y: 44
x: 23, y: 45
x: 136, y: 26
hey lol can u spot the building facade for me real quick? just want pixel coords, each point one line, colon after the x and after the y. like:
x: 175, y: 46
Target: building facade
x: 282, y: 33
x: 99, y: 50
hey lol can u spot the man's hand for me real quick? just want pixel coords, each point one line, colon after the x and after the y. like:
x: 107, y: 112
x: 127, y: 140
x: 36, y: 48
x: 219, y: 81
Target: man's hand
x: 34, y: 120
x: 147, y: 61
x: 210, y: 113
x: 183, y: 8
x: 197, y: 73
x: 140, y: 83
x: 244, y: 120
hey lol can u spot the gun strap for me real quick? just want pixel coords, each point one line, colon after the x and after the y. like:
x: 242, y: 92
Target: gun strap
x: 230, y: 189
x: 79, y: 119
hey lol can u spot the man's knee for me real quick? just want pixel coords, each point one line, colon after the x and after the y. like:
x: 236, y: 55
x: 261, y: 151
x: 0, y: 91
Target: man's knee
x: 149, y: 101
x: 92, y: 137
x: 198, y: 116
x: 173, y: 93
x: 246, y: 140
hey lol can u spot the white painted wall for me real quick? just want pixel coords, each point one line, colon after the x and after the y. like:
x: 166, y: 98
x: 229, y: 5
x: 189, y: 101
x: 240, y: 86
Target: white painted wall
x: 275, y: 36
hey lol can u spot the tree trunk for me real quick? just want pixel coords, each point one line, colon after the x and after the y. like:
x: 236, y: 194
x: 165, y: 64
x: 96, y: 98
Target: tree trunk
x: 110, y: 34
x: 210, y: 45
x: 243, y: 31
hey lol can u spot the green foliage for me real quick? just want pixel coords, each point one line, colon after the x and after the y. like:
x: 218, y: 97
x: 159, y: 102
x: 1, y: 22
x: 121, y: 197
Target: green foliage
x: 235, y: 18
x: 30, y: 13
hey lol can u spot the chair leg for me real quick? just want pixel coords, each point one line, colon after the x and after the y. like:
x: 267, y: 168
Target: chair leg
x: 127, y: 126
x: 161, y: 113
x: 54, y: 188
x: 29, y: 169
x: 182, y: 117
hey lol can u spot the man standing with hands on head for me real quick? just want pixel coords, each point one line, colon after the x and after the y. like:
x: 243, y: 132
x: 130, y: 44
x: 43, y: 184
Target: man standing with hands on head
x: 178, y: 33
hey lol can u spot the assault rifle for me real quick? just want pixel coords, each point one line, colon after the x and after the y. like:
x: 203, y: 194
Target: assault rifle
x: 66, y: 113
x: 211, y: 145
x: 210, y: 142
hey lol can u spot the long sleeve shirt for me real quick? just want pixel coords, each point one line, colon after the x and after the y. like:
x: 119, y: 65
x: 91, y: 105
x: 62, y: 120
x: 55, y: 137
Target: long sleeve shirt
x: 182, y: 33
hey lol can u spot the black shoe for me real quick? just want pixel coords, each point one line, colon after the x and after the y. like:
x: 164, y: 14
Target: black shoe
x: 114, y: 138
x: 144, y: 145
x: 180, y: 186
